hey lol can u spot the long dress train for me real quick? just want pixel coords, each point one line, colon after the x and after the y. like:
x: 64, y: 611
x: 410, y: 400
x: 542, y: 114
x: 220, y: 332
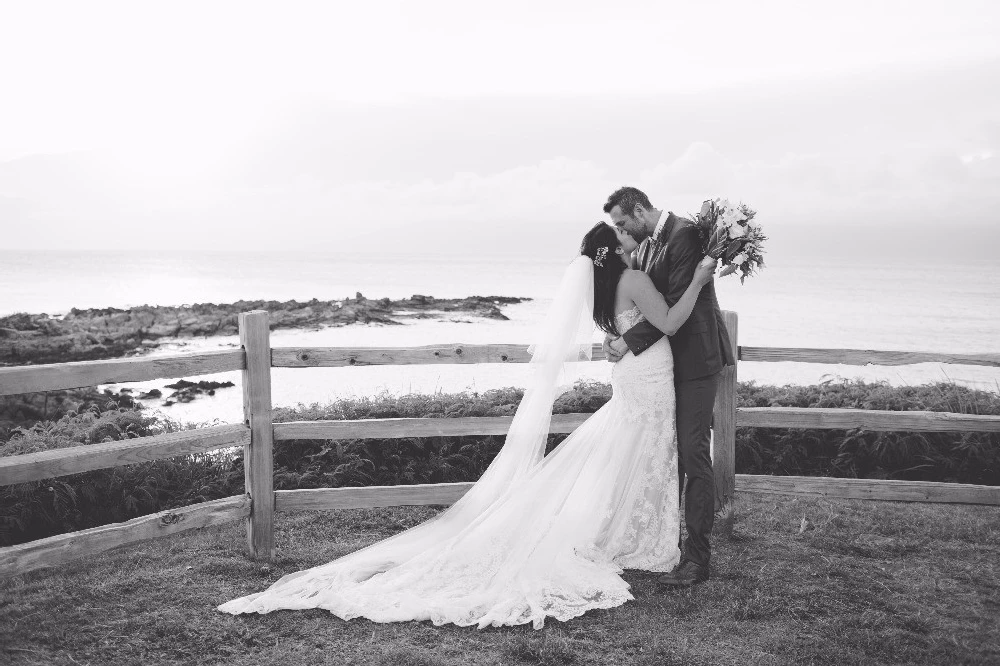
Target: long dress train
x: 552, y: 544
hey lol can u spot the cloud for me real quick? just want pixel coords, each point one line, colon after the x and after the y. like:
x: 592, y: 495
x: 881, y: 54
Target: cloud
x: 523, y: 175
x: 532, y: 209
x: 699, y: 171
x: 817, y: 181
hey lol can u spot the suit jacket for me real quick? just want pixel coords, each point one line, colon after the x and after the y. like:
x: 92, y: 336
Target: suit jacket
x: 701, y: 347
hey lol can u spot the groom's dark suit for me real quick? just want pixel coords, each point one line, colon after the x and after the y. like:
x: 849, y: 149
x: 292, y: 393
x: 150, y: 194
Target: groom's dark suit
x: 701, y: 348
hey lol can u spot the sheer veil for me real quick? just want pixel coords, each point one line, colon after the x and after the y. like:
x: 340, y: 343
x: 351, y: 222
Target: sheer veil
x: 564, y: 339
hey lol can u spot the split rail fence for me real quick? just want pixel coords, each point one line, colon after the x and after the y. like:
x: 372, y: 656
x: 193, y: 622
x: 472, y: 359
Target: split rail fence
x: 257, y: 433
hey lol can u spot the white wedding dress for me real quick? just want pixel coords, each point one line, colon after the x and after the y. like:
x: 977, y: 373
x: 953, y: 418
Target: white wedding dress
x: 548, y: 539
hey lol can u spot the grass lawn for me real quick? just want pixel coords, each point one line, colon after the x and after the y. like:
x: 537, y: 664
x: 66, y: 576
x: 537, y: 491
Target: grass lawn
x: 798, y: 581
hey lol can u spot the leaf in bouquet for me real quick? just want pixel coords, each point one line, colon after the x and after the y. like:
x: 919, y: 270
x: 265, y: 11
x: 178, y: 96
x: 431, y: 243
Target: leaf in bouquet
x: 705, y: 219
x: 707, y: 209
x: 700, y: 222
x: 715, y: 242
x: 733, y: 248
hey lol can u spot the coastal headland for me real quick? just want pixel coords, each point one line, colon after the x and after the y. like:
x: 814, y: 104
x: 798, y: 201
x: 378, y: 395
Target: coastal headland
x: 105, y: 333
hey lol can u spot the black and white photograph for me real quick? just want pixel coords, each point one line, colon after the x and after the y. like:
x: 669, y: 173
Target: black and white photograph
x: 451, y: 333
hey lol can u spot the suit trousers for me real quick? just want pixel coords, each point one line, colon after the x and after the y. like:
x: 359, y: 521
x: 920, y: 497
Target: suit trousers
x: 695, y: 405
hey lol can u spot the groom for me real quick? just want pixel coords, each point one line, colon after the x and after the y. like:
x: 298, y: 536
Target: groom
x: 670, y: 249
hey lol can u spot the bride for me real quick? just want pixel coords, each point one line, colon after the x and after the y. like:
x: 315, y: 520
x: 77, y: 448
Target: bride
x: 539, y: 536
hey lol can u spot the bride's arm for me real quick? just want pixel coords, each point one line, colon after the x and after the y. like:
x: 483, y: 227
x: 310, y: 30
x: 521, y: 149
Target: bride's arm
x: 653, y: 306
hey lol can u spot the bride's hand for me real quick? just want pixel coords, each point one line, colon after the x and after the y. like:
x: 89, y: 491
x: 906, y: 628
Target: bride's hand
x: 705, y: 271
x: 611, y: 352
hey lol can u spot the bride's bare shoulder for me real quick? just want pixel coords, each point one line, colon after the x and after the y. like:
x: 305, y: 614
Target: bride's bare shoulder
x: 632, y: 278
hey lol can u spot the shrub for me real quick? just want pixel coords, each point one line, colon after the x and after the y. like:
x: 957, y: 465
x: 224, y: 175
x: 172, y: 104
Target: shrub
x: 35, y: 510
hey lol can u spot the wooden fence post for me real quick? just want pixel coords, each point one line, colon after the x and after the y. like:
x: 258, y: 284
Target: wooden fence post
x: 257, y: 454
x: 724, y: 429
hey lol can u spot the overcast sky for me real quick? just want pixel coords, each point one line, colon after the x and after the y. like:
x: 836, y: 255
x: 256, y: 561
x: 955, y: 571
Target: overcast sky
x: 501, y: 127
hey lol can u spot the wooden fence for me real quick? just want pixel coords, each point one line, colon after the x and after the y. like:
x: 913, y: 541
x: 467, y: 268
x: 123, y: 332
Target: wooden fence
x: 257, y: 433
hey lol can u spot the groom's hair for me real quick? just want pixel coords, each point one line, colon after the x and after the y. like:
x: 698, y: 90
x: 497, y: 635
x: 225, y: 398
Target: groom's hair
x: 627, y: 198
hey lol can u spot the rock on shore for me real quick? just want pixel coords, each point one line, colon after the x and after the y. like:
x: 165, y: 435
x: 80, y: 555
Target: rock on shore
x: 83, y: 335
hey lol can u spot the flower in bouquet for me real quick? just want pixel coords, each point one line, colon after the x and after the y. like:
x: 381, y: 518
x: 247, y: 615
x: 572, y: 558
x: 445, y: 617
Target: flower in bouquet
x: 733, y: 236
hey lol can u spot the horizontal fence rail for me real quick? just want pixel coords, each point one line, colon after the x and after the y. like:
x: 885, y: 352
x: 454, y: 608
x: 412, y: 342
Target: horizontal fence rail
x: 58, y: 376
x: 87, y: 457
x: 401, y: 428
x: 369, y: 497
x: 63, y: 547
x: 331, y: 357
x: 812, y: 486
x: 869, y: 489
x: 862, y: 356
x: 759, y: 417
x: 825, y: 418
x: 335, y: 357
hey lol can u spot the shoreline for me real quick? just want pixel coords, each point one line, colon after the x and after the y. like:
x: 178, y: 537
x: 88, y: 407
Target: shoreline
x: 108, y: 333
x: 418, y: 320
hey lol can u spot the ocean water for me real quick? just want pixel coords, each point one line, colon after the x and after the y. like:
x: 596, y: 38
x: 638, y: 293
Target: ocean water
x: 794, y: 302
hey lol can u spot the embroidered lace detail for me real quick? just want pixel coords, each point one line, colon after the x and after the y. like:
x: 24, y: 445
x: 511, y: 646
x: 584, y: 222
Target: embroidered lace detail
x: 644, y: 388
x: 628, y: 319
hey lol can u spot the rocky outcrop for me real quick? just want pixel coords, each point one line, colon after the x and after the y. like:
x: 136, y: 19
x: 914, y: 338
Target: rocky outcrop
x: 187, y: 391
x: 83, y: 335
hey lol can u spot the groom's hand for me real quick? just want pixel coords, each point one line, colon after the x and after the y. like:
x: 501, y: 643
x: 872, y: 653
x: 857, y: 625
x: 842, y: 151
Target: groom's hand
x: 610, y: 352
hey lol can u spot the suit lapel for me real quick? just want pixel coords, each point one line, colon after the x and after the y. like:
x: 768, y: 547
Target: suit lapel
x: 655, y: 246
x: 645, y: 254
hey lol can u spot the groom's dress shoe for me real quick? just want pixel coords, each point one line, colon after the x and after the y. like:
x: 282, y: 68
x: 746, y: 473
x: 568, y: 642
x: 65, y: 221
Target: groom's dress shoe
x: 687, y: 573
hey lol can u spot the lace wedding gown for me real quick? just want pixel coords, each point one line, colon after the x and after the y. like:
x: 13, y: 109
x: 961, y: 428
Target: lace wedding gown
x: 552, y: 544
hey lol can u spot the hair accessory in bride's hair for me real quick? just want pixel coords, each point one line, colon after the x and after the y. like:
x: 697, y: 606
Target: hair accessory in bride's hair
x: 601, y: 253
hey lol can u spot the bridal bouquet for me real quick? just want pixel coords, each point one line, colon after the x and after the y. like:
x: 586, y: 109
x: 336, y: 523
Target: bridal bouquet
x: 732, y: 236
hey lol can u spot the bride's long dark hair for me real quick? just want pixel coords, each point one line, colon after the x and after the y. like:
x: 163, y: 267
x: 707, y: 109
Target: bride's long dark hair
x: 607, y: 275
